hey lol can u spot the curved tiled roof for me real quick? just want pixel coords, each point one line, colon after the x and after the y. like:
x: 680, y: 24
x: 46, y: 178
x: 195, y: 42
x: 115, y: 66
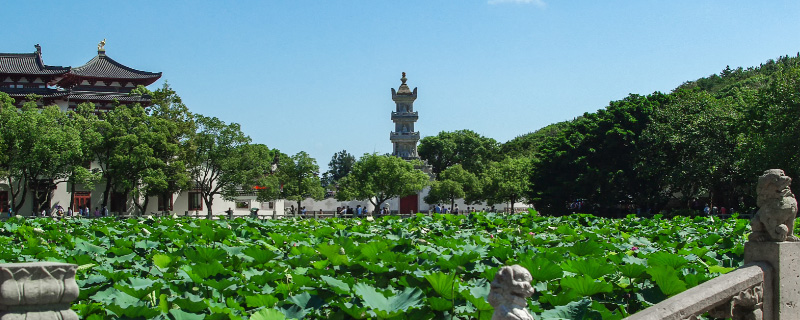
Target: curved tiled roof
x: 102, y: 66
x: 27, y: 63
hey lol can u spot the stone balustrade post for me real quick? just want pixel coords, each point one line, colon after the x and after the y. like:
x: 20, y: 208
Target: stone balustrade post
x: 784, y: 257
x: 37, y: 291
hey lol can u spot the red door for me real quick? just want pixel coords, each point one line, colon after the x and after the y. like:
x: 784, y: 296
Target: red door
x: 409, y: 204
x: 82, y: 199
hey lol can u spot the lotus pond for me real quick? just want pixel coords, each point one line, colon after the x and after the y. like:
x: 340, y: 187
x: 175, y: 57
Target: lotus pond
x: 424, y: 267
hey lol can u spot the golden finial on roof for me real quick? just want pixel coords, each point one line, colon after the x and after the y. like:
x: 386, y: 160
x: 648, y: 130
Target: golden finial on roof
x: 101, y: 47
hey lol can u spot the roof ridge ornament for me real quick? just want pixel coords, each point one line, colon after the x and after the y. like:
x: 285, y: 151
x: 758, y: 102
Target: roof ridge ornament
x: 404, y: 89
x: 101, y: 47
x: 38, y: 48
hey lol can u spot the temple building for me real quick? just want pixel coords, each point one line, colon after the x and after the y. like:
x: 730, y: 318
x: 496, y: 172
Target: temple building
x: 100, y: 81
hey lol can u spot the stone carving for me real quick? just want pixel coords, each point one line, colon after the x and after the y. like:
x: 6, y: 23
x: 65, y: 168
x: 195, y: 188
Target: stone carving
x: 774, y: 220
x: 509, y: 291
x: 38, y: 290
x: 746, y: 305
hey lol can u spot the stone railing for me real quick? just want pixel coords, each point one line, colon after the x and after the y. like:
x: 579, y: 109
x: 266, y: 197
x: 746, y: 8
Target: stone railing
x: 738, y: 293
x: 37, y: 291
x: 766, y: 287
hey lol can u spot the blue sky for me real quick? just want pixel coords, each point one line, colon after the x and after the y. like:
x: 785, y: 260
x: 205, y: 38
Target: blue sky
x: 315, y: 76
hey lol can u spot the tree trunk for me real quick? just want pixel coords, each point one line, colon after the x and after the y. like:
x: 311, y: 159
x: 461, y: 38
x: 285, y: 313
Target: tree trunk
x: 209, y: 200
x: 17, y: 206
x: 143, y: 209
x: 71, y: 194
x: 106, y: 193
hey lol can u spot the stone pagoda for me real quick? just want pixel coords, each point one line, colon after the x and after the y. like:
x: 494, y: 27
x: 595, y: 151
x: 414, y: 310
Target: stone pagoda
x: 404, y: 138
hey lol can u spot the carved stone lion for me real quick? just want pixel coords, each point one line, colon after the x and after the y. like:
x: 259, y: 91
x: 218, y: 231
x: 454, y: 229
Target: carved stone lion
x: 510, y: 288
x: 774, y: 220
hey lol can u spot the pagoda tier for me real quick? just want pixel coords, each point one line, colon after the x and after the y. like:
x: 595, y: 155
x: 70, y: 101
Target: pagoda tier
x: 105, y: 74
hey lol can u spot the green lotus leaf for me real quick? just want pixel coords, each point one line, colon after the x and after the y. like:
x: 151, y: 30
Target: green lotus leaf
x: 477, y: 296
x: 306, y: 301
x: 372, y: 250
x: 268, y: 314
x: 662, y: 258
x: 162, y: 261
x: 542, y: 269
x: 261, y: 300
x: 336, y: 285
x: 86, y: 247
x: 592, y: 267
x: 586, y: 248
x: 443, y: 283
x: 667, y: 279
x: 632, y: 270
x: 136, y: 287
x: 183, y: 315
x: 333, y: 253
x: 191, y: 303
x: 146, y: 244
x: 133, y: 312
x: 572, y: 311
x: 719, y: 269
x: 204, y: 254
x: 389, y: 307
x: 209, y: 269
x: 439, y: 303
x: 586, y: 286
x: 562, y: 298
x: 260, y: 255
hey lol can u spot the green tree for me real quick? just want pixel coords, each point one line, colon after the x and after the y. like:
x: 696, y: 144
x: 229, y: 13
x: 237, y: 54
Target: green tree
x: 9, y: 117
x: 689, y: 148
x: 340, y: 165
x: 529, y: 145
x: 465, y: 147
x: 41, y: 147
x: 218, y: 164
x: 455, y: 183
x: 299, y: 176
x: 769, y: 129
x: 595, y: 158
x: 125, y: 142
x: 172, y: 129
x: 506, y: 181
x: 82, y: 119
x: 378, y: 178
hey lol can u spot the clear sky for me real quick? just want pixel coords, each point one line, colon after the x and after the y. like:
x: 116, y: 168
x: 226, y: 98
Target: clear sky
x: 315, y: 76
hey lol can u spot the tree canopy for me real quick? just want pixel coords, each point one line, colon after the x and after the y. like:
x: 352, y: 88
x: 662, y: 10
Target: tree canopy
x: 378, y: 178
x: 468, y: 148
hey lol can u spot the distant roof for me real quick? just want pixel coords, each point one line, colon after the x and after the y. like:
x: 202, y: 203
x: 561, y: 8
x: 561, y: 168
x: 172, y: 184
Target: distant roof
x: 102, y: 66
x: 107, y: 96
x: 44, y: 92
x: 28, y: 63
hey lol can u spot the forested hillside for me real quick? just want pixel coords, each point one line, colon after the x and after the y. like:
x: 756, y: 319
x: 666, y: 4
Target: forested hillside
x: 703, y: 143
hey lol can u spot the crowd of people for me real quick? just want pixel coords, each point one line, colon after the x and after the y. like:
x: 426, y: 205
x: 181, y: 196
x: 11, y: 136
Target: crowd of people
x: 83, y: 211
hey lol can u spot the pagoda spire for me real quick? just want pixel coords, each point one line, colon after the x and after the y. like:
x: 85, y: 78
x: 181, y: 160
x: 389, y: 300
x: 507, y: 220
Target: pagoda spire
x: 404, y: 138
